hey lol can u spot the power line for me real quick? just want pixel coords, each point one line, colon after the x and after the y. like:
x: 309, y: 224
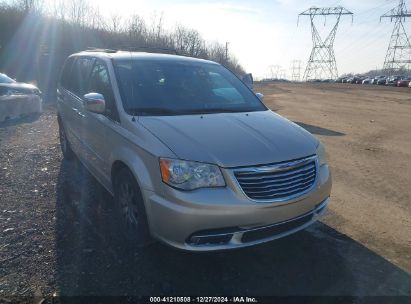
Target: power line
x: 366, y: 36
x: 322, y: 63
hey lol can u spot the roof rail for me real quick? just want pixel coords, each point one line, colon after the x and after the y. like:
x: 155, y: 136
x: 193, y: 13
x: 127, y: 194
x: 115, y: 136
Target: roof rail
x: 148, y: 49
x: 93, y: 49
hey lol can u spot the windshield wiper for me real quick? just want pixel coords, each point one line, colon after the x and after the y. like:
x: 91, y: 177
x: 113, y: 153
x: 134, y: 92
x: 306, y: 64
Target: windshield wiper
x: 221, y: 110
x: 165, y: 111
x: 158, y: 111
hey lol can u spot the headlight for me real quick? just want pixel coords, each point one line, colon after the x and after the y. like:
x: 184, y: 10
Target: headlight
x: 322, y: 159
x: 36, y: 92
x: 187, y: 175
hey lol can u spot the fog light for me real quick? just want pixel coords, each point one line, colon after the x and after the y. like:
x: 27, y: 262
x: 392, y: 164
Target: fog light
x: 211, y: 240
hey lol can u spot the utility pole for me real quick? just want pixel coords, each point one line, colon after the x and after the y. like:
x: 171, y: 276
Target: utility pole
x: 399, y: 49
x: 322, y: 64
x: 296, y: 70
x: 226, y: 50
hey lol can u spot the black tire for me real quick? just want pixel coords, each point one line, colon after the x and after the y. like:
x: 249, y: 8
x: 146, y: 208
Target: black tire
x: 64, y: 143
x: 131, y: 210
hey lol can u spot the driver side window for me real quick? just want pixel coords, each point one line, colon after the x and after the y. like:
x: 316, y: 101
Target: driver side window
x: 100, y: 83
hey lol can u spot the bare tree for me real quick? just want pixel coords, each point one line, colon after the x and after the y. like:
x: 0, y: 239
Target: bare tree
x: 58, y: 9
x: 30, y: 5
x: 137, y: 30
x: 115, y: 25
x: 189, y: 42
x: 156, y: 26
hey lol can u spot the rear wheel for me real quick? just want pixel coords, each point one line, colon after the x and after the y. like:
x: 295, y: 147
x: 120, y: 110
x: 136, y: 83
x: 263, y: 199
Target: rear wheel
x: 64, y: 143
x: 129, y: 203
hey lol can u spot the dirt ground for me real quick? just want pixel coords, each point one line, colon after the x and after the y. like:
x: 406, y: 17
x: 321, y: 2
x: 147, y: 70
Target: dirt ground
x: 58, y: 236
x: 367, y: 132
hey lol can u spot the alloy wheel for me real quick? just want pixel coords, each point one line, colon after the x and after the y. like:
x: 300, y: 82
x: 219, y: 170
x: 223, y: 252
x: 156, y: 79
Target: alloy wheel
x: 127, y: 200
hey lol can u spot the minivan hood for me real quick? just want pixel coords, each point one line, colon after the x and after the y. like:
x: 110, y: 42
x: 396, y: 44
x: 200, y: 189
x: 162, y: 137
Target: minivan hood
x: 232, y: 139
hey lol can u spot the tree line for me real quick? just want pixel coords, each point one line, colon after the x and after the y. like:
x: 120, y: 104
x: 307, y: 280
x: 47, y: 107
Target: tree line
x: 35, y: 38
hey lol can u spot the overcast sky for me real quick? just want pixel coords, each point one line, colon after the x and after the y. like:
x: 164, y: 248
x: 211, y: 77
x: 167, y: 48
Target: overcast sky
x: 263, y: 33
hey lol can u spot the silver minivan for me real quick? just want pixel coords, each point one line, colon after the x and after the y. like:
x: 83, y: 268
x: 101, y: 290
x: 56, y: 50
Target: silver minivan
x: 192, y: 156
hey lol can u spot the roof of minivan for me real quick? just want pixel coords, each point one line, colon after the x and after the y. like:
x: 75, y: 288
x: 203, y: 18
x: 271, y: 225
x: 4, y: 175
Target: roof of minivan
x: 142, y: 56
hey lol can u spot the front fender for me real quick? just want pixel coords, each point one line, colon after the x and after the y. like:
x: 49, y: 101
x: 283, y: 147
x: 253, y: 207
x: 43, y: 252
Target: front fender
x: 141, y: 163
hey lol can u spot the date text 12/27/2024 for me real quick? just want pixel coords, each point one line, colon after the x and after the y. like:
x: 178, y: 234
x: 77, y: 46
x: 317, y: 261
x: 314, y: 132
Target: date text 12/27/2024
x: 203, y: 300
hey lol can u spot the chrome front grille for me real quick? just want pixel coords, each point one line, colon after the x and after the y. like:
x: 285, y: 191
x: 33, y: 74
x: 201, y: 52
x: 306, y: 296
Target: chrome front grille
x: 278, y: 182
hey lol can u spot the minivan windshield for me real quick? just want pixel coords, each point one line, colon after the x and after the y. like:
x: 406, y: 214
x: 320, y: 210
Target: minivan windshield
x: 179, y: 87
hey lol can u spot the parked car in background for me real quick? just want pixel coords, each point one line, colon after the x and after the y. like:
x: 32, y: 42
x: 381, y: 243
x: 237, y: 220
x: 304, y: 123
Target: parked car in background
x: 367, y: 80
x: 6, y: 79
x: 18, y: 99
x: 192, y: 156
x: 9, y: 86
x: 381, y: 81
x: 392, y: 80
x: 404, y: 82
x: 354, y: 79
x: 359, y: 80
x: 376, y: 78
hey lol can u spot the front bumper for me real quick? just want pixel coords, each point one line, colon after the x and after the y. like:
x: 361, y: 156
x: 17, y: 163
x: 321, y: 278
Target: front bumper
x: 224, y: 218
x: 233, y: 238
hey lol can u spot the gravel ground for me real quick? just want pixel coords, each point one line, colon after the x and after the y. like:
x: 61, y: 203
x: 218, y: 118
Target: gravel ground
x: 366, y: 130
x: 58, y: 237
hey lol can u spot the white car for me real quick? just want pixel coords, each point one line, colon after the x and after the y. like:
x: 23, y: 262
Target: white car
x: 18, y: 99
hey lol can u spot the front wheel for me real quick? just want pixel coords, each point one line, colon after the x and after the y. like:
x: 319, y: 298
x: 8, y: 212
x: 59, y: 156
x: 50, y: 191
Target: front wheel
x: 129, y: 203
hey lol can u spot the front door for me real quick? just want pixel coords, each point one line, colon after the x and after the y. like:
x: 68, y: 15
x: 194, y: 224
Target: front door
x: 98, y: 125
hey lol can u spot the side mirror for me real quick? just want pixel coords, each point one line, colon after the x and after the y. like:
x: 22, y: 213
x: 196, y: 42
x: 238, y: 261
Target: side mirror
x: 259, y: 95
x: 94, y: 102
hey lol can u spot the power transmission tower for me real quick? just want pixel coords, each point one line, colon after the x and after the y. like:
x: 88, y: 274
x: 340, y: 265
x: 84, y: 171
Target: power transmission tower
x: 282, y: 74
x: 399, y: 50
x: 274, y: 71
x: 322, y: 64
x: 296, y: 70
